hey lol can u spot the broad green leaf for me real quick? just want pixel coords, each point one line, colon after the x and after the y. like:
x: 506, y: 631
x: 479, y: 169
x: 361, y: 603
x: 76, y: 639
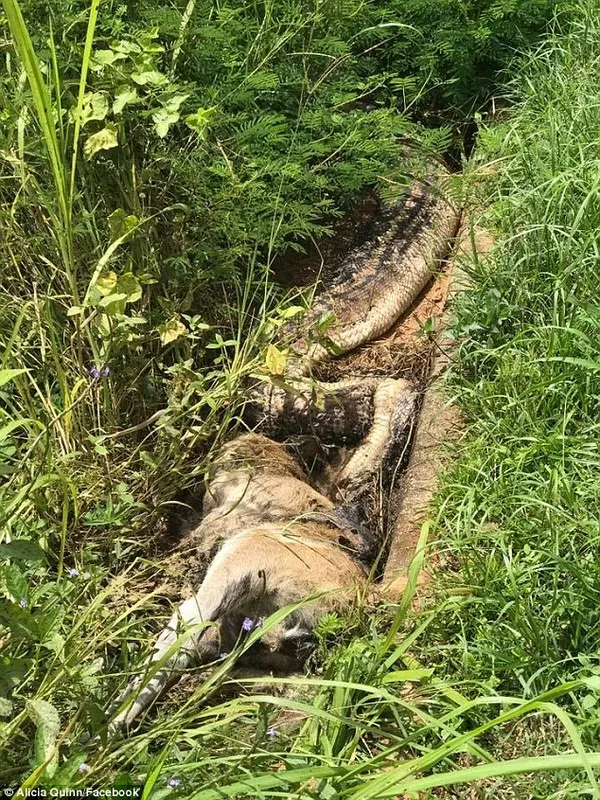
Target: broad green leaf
x: 292, y: 311
x: 129, y: 286
x: 163, y: 120
x: 106, y: 283
x: 22, y: 550
x: 105, y: 139
x: 589, y: 701
x: 175, y: 102
x: 22, y: 625
x: 55, y: 643
x: 592, y: 682
x: 15, y: 582
x: 127, y: 47
x: 7, y: 375
x: 121, y: 223
x: 105, y: 58
x: 45, y: 717
x: 275, y: 360
x: 171, y: 330
x: 113, y: 303
x: 124, y: 96
x: 150, y: 77
x: 95, y: 107
x: 74, y: 311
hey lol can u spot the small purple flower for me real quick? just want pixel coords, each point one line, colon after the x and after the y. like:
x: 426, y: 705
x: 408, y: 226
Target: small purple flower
x: 173, y: 782
x: 248, y: 624
x: 84, y: 768
x: 223, y: 655
x: 100, y: 372
x: 73, y: 572
x: 272, y: 733
x: 23, y: 602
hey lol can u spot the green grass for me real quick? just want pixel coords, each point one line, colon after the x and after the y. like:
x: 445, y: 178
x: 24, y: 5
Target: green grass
x: 493, y: 686
x: 520, y: 506
x: 518, y: 511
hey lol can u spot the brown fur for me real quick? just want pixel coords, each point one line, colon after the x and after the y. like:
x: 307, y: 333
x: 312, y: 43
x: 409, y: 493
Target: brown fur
x: 276, y: 541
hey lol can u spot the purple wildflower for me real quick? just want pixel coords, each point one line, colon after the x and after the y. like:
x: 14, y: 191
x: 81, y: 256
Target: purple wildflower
x: 73, y: 572
x: 84, y: 768
x: 105, y: 371
x: 248, y: 624
x: 95, y: 373
x: 272, y: 733
x: 223, y: 655
x: 173, y: 782
x: 23, y: 602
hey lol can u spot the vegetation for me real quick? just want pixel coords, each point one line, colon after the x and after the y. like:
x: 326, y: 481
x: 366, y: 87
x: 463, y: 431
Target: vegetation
x: 519, y: 505
x: 154, y: 161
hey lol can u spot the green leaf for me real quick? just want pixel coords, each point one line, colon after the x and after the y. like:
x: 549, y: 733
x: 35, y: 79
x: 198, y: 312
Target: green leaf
x: 95, y: 107
x: 275, y: 360
x: 407, y: 675
x: 21, y: 623
x: 592, y: 682
x: 291, y: 311
x: 15, y: 582
x: 171, y: 330
x: 12, y: 672
x: 22, y: 550
x: 151, y: 77
x: 106, y: 283
x: 106, y: 58
x: 200, y: 121
x: 124, y: 96
x: 47, y: 721
x: 112, y: 303
x: 175, y: 102
x: 589, y: 701
x: 105, y: 139
x: 7, y: 375
x: 74, y: 311
x: 163, y: 120
x: 127, y: 47
x: 121, y: 223
x: 130, y: 287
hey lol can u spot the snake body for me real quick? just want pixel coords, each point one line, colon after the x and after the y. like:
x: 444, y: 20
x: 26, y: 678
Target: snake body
x: 380, y: 279
x: 374, y: 286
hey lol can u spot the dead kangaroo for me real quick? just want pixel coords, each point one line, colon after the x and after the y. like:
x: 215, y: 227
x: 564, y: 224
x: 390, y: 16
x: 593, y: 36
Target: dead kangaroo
x: 271, y: 540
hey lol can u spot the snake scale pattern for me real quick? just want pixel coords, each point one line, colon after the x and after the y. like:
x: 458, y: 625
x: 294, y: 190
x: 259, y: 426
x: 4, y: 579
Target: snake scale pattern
x: 374, y: 286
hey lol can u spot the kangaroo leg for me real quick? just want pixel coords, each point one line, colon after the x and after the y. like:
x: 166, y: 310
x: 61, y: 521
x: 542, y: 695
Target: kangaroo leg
x: 200, y: 647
